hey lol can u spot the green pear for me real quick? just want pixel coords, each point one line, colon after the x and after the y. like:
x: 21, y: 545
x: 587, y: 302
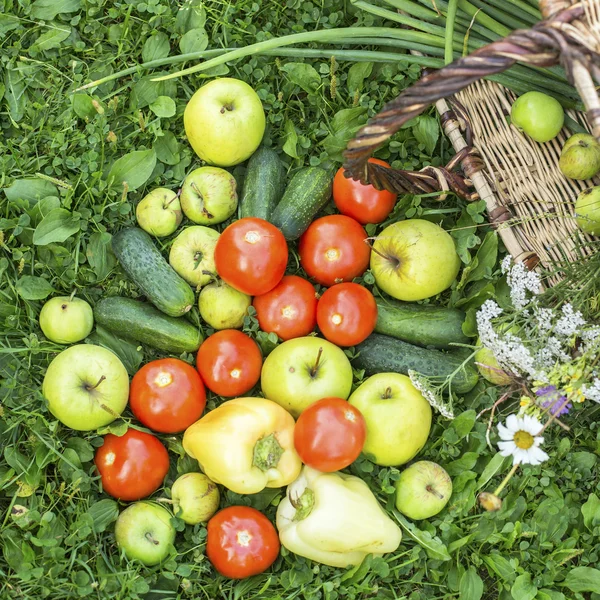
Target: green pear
x: 587, y: 210
x: 580, y: 157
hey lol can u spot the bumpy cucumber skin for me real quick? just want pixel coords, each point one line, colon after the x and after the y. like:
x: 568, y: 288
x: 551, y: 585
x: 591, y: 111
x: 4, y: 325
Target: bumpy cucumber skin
x: 383, y: 354
x: 147, y: 267
x: 307, y: 193
x: 141, y: 322
x: 422, y: 325
x: 263, y: 184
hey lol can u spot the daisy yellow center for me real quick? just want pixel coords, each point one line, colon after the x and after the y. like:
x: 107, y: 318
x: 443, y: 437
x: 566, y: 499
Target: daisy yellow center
x: 523, y: 440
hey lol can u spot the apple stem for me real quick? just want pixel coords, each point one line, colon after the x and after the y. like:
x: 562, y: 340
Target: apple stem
x: 212, y: 275
x: 387, y: 394
x: 90, y: 388
x: 72, y: 295
x: 170, y: 201
x: 368, y: 243
x: 313, y: 371
x: 165, y: 500
x: 151, y: 539
x: 433, y: 491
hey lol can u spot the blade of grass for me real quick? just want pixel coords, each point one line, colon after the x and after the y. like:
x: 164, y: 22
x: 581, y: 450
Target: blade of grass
x: 450, y: 18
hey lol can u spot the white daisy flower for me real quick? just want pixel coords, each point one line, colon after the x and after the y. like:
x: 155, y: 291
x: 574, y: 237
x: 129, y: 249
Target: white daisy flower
x: 521, y: 440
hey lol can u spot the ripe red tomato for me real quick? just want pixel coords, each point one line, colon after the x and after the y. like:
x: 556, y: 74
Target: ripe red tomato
x: 229, y: 362
x: 131, y: 466
x: 334, y: 249
x: 362, y: 202
x: 330, y: 434
x: 251, y: 255
x: 241, y: 542
x: 167, y: 395
x: 347, y: 314
x: 289, y: 309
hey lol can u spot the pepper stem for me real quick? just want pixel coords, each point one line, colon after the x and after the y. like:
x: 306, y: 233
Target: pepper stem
x: 304, y: 504
x: 267, y: 452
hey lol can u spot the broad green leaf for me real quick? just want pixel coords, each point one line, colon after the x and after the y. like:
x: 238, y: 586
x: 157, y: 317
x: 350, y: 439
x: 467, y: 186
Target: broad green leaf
x: 100, y: 255
x: 134, y: 168
x: 483, y: 262
x: 463, y: 423
x: 291, y: 139
x: 30, y: 287
x: 501, y: 566
x: 195, y: 40
x: 357, y: 74
x: 127, y: 351
x: 52, y: 38
x: 191, y: 15
x: 83, y: 106
x: 156, y: 47
x: 584, y: 460
x: 478, y: 293
x: 164, y: 107
x: 8, y: 23
x: 583, y: 579
x: 46, y: 10
x: 30, y: 189
x: 344, y: 125
x: 434, y: 547
x: 462, y: 464
x: 464, y: 232
x: 427, y: 132
x: 591, y: 511
x: 523, y: 588
x: 15, y: 94
x: 491, y: 469
x: 103, y: 513
x: 471, y: 585
x: 545, y: 594
x: 303, y: 75
x: 167, y: 148
x: 145, y: 91
x: 57, y: 226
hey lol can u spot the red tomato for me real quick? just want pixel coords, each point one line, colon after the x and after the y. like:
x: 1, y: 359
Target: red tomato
x: 362, y: 202
x: 334, y: 249
x: 346, y: 314
x: 133, y: 465
x: 330, y: 434
x: 241, y: 542
x: 229, y: 362
x: 251, y: 255
x: 289, y: 309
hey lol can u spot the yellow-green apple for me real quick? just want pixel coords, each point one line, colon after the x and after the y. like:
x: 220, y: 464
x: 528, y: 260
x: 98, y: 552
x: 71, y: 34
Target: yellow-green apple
x: 195, y: 498
x: 86, y: 387
x: 159, y: 212
x: 580, y: 157
x: 145, y: 533
x: 224, y: 121
x: 66, y: 319
x: 209, y: 196
x: 489, y: 368
x: 414, y: 259
x: 192, y: 254
x: 223, y: 307
x: 422, y: 490
x: 303, y: 370
x: 538, y: 115
x: 398, y: 418
x: 587, y: 210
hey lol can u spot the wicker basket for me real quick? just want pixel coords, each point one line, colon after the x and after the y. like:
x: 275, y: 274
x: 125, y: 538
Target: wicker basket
x: 528, y: 199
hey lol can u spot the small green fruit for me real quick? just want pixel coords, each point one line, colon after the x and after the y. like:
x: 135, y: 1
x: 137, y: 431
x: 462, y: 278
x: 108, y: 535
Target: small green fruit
x: 580, y: 157
x: 540, y: 116
x: 65, y: 320
x: 488, y: 366
x: 223, y: 307
x: 587, y: 210
x: 197, y: 496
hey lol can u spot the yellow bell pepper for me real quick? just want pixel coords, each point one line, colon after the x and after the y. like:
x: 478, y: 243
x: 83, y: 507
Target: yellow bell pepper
x: 245, y: 444
x: 334, y: 519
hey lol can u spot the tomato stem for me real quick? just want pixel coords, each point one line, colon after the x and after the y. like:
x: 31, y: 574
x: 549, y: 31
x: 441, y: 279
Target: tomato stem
x: 313, y: 371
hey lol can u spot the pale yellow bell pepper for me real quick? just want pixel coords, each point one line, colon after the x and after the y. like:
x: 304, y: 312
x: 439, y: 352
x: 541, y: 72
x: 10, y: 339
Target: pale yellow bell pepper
x: 245, y: 444
x: 334, y: 519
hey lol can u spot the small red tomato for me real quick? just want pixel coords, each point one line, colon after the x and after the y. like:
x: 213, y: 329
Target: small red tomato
x: 167, y: 395
x: 362, y: 202
x: 330, y: 434
x: 334, y: 249
x: 289, y: 309
x: 229, y: 362
x: 251, y: 256
x: 131, y: 466
x: 241, y: 542
x: 347, y: 314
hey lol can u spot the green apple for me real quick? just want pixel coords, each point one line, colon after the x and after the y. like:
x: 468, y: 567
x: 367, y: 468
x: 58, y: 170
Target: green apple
x: 398, y: 418
x: 538, y: 115
x: 224, y: 121
x: 223, y: 307
x: 303, y: 370
x: 587, y: 210
x: 580, y: 157
x: 145, y: 533
x: 159, y: 212
x: 209, y: 195
x: 423, y: 490
x: 192, y: 254
x: 86, y: 387
x: 414, y: 259
x: 489, y: 367
x: 66, y: 319
x: 196, y: 496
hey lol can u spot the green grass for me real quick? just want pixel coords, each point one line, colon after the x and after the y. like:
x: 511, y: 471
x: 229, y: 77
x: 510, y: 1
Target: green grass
x: 56, y: 528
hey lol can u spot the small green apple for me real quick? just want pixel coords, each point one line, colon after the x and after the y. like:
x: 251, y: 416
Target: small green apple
x: 192, y: 254
x: 540, y: 116
x: 398, y: 418
x: 580, y: 157
x: 223, y: 307
x: 303, y: 370
x: 224, y: 121
x: 66, y: 320
x: 587, y: 210
x: 159, y: 212
x: 145, y: 533
x: 489, y: 368
x: 414, y: 259
x: 196, y: 496
x: 422, y: 490
x: 86, y: 387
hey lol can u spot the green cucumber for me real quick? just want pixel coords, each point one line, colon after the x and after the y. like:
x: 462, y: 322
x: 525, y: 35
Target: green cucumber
x: 263, y: 184
x: 141, y: 322
x: 307, y: 193
x: 383, y: 354
x: 422, y: 325
x: 147, y: 267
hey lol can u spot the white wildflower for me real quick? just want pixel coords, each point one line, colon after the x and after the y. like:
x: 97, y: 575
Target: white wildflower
x: 519, y: 438
x: 520, y: 280
x: 592, y: 391
x: 555, y: 347
x: 544, y: 318
x: 431, y: 395
x: 570, y: 322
